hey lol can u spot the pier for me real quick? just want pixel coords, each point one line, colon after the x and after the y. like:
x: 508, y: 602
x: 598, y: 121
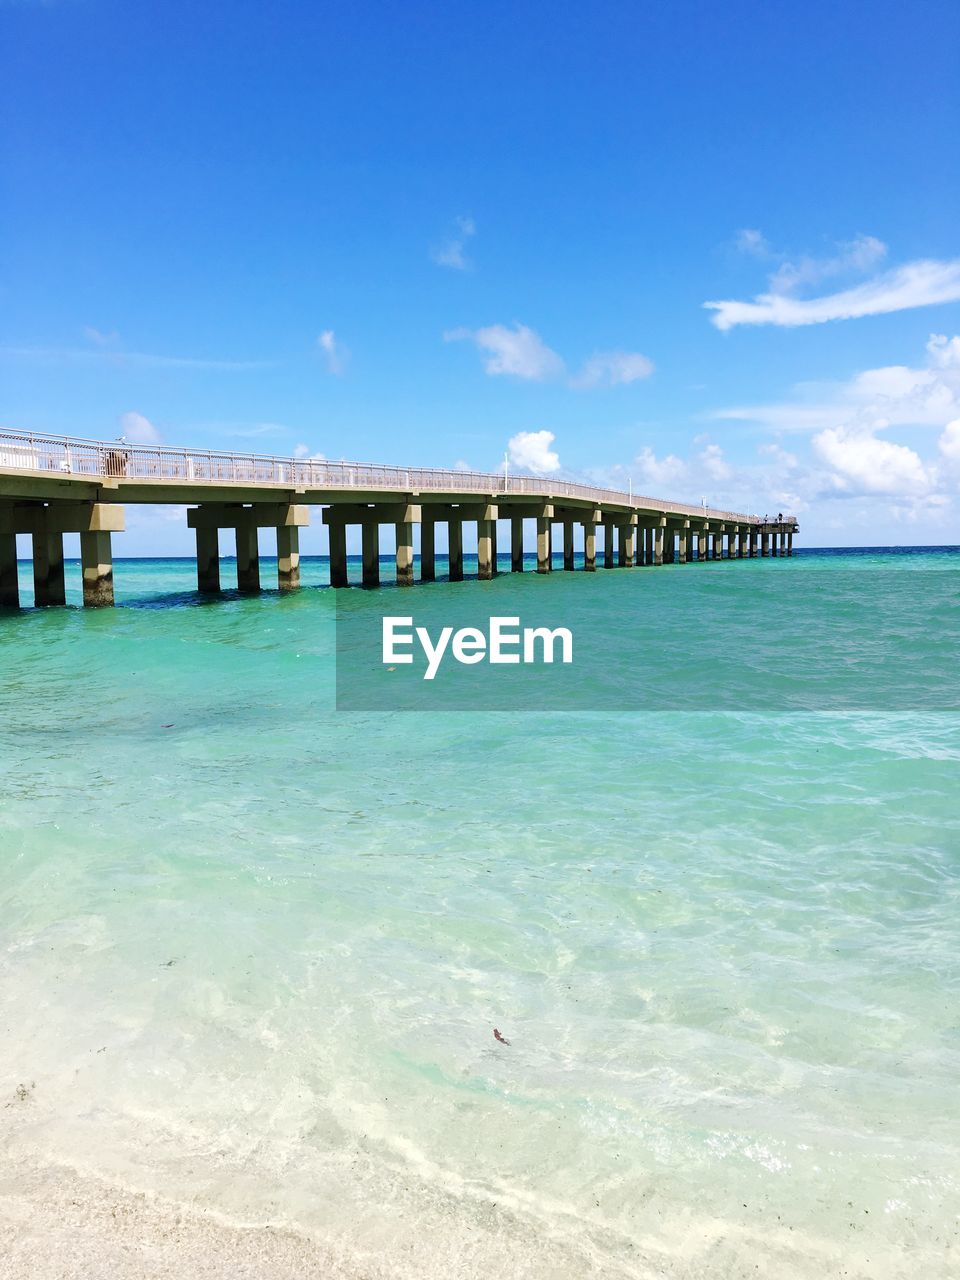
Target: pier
x: 52, y: 485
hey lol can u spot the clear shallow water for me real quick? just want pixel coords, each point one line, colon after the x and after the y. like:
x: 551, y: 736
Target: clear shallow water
x: 252, y: 949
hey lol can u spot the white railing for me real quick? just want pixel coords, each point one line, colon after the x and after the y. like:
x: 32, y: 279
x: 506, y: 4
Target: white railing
x: 67, y: 456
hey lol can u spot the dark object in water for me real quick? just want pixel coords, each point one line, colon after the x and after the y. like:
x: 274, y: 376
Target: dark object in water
x: 498, y: 1036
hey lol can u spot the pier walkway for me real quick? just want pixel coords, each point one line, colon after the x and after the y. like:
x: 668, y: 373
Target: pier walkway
x: 52, y: 485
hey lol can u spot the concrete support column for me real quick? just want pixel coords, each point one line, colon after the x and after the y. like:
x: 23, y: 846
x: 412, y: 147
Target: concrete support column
x: 455, y: 548
x: 288, y: 557
x: 568, y: 544
x: 370, y: 547
x: 9, y: 580
x: 428, y: 550
x: 516, y: 544
x: 659, y: 535
x: 338, y: 554
x: 790, y: 542
x: 208, y: 560
x: 607, y: 545
x: 248, y: 558
x: 621, y: 548
x: 589, y: 546
x: 682, y: 543
x: 48, y: 583
x: 668, y: 540
x: 753, y: 542
x: 629, y: 535
x: 764, y: 543
x: 741, y: 543
x: 484, y: 565
x: 775, y: 543
x: 404, y: 553
x: 96, y: 559
x: 493, y: 548
x: 544, y: 548
x: 648, y: 538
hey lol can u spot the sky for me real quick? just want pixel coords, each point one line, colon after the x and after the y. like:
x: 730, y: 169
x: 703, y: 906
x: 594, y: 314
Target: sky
x: 710, y: 251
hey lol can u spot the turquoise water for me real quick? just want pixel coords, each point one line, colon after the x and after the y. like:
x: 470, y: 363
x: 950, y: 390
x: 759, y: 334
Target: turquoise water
x: 253, y: 949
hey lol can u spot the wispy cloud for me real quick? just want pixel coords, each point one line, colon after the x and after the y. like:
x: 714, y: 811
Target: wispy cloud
x: 99, y: 338
x: 897, y: 395
x: 517, y: 351
x: 451, y: 251
x: 915, y: 284
x: 335, y: 353
x: 530, y: 451
x: 613, y: 369
x: 138, y: 429
x: 123, y: 359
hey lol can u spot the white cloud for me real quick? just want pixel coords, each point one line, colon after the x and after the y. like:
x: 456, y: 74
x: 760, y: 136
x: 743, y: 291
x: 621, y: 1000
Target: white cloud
x: 461, y: 465
x: 863, y: 463
x: 303, y: 451
x: 900, y: 395
x: 613, y: 368
x: 944, y: 352
x: 917, y: 284
x: 518, y: 352
x: 949, y: 442
x: 855, y: 256
x: 655, y: 473
x: 530, y: 451
x: 753, y: 242
x: 451, y: 252
x: 139, y: 430
x: 335, y: 353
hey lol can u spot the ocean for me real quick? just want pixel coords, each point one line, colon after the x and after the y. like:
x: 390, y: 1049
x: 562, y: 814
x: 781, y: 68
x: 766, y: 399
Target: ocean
x: 253, y: 948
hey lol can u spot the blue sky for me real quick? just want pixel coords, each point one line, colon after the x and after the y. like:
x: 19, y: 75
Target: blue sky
x: 431, y: 233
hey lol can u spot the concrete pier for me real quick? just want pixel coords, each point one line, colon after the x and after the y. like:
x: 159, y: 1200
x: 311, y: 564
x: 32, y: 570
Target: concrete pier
x: 338, y: 554
x: 48, y: 579
x: 484, y: 548
x: 544, y: 543
x: 428, y: 548
x: 246, y: 520
x: 96, y: 561
x: 9, y: 577
x: 516, y: 544
x: 589, y: 546
x: 568, y: 543
x: 208, y: 560
x: 288, y: 558
x: 628, y: 536
x: 46, y: 523
x: 370, y: 553
x: 49, y: 488
x: 404, y: 530
x: 455, y: 548
x: 248, y: 558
